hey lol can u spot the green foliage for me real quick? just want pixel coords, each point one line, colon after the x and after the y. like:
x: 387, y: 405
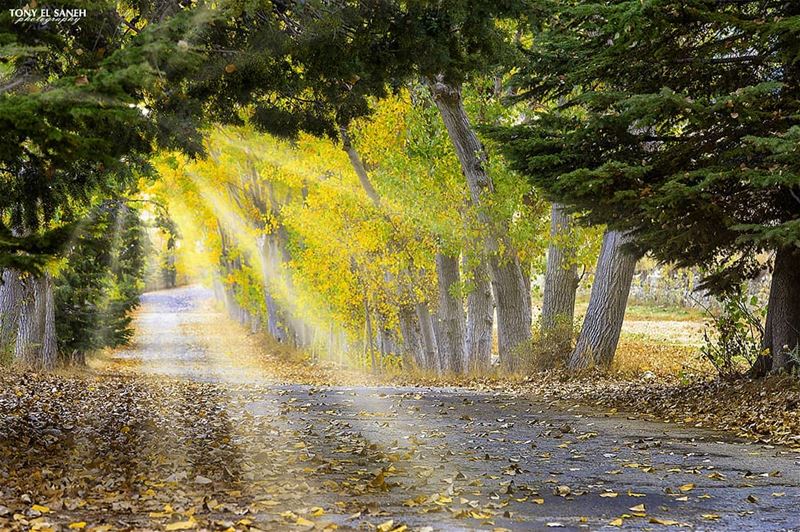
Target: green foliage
x: 733, y: 339
x: 311, y: 66
x: 100, y: 282
x: 81, y: 107
x: 676, y: 120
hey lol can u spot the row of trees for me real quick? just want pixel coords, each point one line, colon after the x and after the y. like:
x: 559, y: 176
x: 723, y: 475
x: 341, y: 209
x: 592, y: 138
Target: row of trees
x: 676, y: 123
x: 74, y: 139
x: 672, y: 123
x: 308, y: 68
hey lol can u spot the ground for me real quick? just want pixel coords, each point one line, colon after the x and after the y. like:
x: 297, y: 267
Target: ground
x: 192, y: 427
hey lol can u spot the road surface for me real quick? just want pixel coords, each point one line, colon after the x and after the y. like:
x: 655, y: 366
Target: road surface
x: 216, y: 440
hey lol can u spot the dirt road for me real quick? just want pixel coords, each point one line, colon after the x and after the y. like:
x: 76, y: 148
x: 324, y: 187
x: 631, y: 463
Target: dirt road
x: 192, y: 436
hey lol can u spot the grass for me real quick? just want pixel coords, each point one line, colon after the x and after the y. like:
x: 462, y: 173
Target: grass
x: 639, y: 311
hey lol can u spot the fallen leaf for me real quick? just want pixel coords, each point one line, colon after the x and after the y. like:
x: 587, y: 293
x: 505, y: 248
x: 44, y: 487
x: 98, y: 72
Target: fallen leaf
x: 385, y: 526
x: 181, y: 525
x: 666, y: 522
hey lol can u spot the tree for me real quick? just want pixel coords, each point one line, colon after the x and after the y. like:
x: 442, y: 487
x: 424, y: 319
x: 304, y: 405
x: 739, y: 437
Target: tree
x: 309, y: 67
x: 450, y: 44
x: 99, y: 284
x: 73, y: 127
x: 678, y: 128
x: 561, y: 277
x: 602, y: 324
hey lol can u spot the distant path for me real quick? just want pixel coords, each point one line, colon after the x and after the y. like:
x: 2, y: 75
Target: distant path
x: 369, y: 455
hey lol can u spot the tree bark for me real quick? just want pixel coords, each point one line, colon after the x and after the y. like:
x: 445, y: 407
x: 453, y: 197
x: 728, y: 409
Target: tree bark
x: 10, y: 302
x: 602, y: 325
x: 36, y: 340
x: 561, y: 276
x: 480, y: 320
x: 451, y: 315
x: 24, y: 348
x: 413, y: 349
x: 358, y: 166
x: 368, y: 333
x: 508, y: 282
x: 782, y: 329
x: 270, y: 268
x: 428, y: 337
x: 46, y: 310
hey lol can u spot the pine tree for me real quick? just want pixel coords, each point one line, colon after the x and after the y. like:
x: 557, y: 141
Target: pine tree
x: 82, y: 105
x: 72, y: 117
x: 99, y: 286
x: 679, y: 125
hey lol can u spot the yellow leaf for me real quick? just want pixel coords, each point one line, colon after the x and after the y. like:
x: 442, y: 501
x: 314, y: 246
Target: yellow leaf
x: 616, y: 522
x: 181, y: 525
x: 78, y: 525
x: 710, y: 517
x: 687, y: 487
x: 41, y: 509
x: 667, y: 522
x: 537, y: 501
x: 317, y: 511
x: 303, y: 522
x: 385, y: 527
x: 637, y: 508
x: 609, y: 494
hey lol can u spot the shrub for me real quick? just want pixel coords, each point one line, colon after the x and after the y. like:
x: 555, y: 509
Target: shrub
x: 733, y: 338
x: 549, y: 349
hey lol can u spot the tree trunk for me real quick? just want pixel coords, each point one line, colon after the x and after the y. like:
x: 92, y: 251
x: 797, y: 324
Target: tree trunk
x: 511, y: 297
x: 561, y: 276
x: 27, y: 328
x: 602, y: 325
x: 368, y: 333
x: 480, y: 319
x: 782, y: 329
x: 428, y: 337
x: 413, y: 349
x: 10, y: 303
x: 451, y: 315
x: 358, y: 166
x: 270, y: 268
x: 46, y: 310
x: 36, y: 336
